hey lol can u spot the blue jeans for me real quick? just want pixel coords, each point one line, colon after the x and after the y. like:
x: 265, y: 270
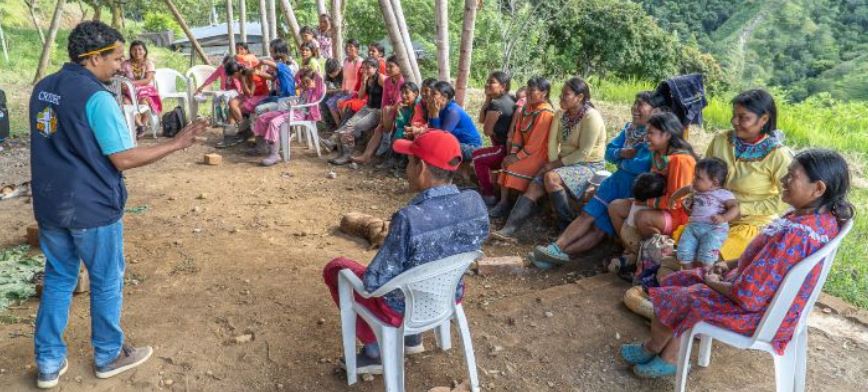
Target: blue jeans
x: 102, y: 250
x: 701, y: 242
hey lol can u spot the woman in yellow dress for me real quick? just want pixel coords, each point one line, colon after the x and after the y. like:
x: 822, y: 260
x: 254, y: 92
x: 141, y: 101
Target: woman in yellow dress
x: 757, y: 160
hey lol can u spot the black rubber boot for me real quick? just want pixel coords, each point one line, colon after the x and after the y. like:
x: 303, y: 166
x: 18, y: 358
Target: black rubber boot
x: 344, y: 158
x: 561, y: 204
x: 523, y: 210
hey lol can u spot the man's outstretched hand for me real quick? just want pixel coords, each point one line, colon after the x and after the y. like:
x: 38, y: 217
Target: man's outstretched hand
x: 187, y: 136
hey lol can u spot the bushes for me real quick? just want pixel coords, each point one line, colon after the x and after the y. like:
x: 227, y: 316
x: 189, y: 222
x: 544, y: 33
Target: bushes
x: 156, y: 22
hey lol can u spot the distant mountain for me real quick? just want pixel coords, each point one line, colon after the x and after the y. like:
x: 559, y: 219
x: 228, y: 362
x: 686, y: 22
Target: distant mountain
x: 803, y: 46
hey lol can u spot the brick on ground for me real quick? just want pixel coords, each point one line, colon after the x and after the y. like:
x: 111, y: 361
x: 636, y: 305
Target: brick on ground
x: 213, y: 159
x: 501, y: 265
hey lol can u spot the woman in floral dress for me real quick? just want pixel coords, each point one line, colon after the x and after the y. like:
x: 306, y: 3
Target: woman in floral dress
x: 736, y: 294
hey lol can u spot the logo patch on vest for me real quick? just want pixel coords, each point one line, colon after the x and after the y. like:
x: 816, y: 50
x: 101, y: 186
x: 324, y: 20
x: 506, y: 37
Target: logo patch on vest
x: 46, y: 122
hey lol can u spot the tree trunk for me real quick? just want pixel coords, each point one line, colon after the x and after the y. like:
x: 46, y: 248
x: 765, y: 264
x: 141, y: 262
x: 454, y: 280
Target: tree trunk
x: 264, y: 29
x: 321, y: 7
x: 49, y: 42
x: 289, y: 14
x: 97, y: 13
x: 466, y: 51
x: 337, y: 31
x: 416, y: 76
x: 193, y: 41
x: 31, y: 5
x: 441, y: 21
x: 242, y: 18
x: 272, y: 20
x: 116, y: 14
x: 396, y: 39
x: 230, y: 31
x: 3, y: 43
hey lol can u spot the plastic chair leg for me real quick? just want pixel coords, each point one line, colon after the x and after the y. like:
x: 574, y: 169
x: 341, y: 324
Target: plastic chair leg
x: 444, y: 336
x: 785, y: 366
x: 801, y: 342
x: 683, y: 361
x: 704, y: 350
x: 313, y: 136
x: 392, y: 355
x: 284, y: 142
x: 348, y: 330
x: 467, y: 343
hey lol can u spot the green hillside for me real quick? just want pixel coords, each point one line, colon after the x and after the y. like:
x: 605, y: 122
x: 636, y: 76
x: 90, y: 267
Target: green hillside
x: 803, y: 46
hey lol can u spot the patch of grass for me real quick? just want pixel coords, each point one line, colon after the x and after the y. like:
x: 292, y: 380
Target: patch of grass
x: 849, y: 276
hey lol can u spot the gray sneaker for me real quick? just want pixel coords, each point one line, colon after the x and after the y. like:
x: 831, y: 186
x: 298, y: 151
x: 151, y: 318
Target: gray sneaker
x: 129, y: 358
x: 50, y: 380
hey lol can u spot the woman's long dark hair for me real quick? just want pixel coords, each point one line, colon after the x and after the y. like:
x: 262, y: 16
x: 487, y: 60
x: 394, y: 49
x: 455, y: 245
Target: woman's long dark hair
x: 540, y: 83
x: 579, y: 86
x: 759, y: 102
x: 669, y: 123
x: 831, y: 168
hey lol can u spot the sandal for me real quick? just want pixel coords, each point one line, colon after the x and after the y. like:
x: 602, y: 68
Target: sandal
x: 656, y: 368
x: 636, y: 354
x: 551, y: 253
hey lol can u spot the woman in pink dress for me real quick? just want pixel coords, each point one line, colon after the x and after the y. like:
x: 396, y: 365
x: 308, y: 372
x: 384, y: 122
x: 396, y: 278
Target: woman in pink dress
x: 140, y: 70
x: 268, y: 124
x: 736, y: 294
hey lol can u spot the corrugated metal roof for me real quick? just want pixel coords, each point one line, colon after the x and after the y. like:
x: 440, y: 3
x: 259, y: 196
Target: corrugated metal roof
x: 203, y: 33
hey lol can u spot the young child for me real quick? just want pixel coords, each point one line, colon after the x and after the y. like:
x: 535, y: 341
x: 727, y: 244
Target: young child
x: 409, y: 99
x: 268, y: 125
x: 711, y: 209
x: 646, y: 186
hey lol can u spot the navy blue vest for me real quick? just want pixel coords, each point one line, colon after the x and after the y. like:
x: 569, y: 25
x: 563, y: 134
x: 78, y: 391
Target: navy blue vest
x: 74, y: 185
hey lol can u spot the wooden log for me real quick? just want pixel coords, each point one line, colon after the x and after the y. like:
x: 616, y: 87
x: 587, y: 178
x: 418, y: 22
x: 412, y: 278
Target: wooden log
x: 416, y: 76
x: 31, y: 9
x: 337, y: 31
x: 3, y: 43
x: 272, y: 20
x: 395, y: 38
x: 193, y: 41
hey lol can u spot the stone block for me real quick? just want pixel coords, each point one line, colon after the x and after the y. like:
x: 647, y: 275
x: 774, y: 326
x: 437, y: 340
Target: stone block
x: 501, y: 265
x: 213, y: 159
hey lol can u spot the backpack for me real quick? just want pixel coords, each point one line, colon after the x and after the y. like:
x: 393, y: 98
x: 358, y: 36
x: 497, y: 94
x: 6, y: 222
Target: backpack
x: 174, y: 121
x: 4, y: 117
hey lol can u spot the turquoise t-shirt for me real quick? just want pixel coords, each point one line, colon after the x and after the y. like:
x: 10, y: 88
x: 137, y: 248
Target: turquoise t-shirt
x: 108, y: 124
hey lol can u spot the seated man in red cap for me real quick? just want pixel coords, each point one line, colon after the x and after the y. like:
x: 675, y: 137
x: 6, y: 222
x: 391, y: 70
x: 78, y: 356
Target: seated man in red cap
x: 439, y: 222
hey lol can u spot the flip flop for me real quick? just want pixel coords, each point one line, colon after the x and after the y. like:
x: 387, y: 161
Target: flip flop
x: 636, y: 354
x: 656, y: 368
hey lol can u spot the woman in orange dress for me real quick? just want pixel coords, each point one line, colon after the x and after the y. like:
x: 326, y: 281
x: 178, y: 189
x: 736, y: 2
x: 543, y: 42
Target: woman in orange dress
x: 528, y: 146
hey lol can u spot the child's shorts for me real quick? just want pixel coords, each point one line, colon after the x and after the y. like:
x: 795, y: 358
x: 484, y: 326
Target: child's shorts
x: 701, y: 242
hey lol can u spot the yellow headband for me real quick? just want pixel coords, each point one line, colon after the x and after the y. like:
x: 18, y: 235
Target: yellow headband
x: 98, y: 51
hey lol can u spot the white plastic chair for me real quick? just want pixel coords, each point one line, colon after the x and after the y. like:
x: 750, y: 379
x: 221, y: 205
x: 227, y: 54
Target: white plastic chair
x: 306, y: 130
x: 197, y: 75
x: 119, y: 83
x: 166, y: 81
x: 429, y: 294
x: 790, y: 368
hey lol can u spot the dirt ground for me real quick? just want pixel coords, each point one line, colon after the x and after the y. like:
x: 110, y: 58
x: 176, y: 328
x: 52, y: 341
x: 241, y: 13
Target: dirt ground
x: 215, y: 252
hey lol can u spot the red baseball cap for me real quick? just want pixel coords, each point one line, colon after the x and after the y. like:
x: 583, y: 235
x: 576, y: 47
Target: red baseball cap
x: 437, y: 148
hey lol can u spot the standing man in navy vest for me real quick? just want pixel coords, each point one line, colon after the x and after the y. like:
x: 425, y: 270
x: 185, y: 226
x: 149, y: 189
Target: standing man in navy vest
x: 80, y: 145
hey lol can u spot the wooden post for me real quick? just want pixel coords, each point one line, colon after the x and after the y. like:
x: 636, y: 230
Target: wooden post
x: 396, y: 38
x: 466, y: 50
x: 193, y: 41
x: 289, y: 14
x: 45, y: 57
x: 337, y: 31
x: 230, y: 31
x: 3, y: 42
x: 272, y: 20
x: 31, y: 9
x: 441, y: 21
x: 416, y: 76
x: 242, y: 18
x: 263, y: 28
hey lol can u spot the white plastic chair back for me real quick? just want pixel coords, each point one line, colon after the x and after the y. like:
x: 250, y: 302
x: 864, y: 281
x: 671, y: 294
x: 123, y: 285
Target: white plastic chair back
x: 197, y: 75
x: 166, y: 81
x: 429, y: 290
x: 118, y: 84
x: 793, y: 282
